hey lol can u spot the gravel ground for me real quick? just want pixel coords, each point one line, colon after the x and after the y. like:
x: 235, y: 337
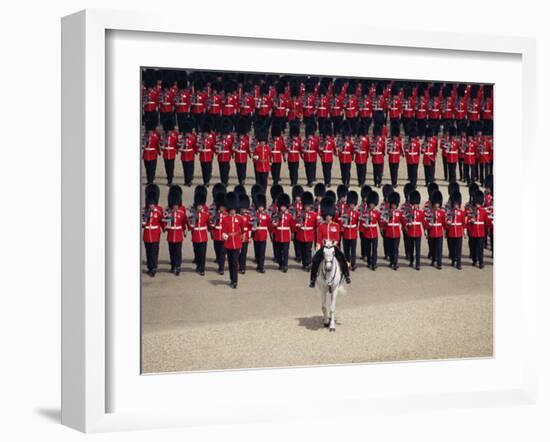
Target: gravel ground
x: 272, y: 320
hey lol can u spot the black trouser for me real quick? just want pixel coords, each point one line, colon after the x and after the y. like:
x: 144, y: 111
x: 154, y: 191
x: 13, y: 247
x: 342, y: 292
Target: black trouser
x: 199, y: 248
x: 261, y: 179
x: 297, y: 250
x: 451, y: 167
x: 182, y: 118
x: 421, y: 125
x: 469, y: 173
x: 327, y: 172
x: 166, y: 117
x: 282, y: 254
x: 151, y: 117
x: 412, y: 173
x: 169, y: 167
x: 152, y: 254
x: 385, y: 246
x: 150, y: 169
x: 415, y: 244
x: 305, y: 253
x: 377, y: 171
x: 322, y: 123
x: 276, y: 172
x: 310, y: 171
x: 393, y: 250
x: 318, y: 257
x: 337, y: 123
x: 490, y: 168
x: 477, y: 250
x: 345, y: 171
x: 233, y: 264
x: 461, y: 168
x: 361, y: 173
x: 483, y: 171
x: 197, y: 121
x: 429, y: 172
x: 224, y: 172
x: 394, y: 171
x: 350, y: 248
x: 206, y: 168
x: 371, y: 249
x: 241, y: 172
x: 175, y: 255
x: 259, y: 253
x: 188, y: 171
x: 293, y: 172
x: 219, y: 250
x: 363, y: 243
x: 242, y: 257
x: 455, y: 250
x: 436, y: 246
x: 445, y: 168
x: 407, y: 244
x: 406, y: 124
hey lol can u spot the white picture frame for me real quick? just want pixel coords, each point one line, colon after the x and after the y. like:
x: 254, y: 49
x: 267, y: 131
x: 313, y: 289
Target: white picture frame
x: 87, y: 355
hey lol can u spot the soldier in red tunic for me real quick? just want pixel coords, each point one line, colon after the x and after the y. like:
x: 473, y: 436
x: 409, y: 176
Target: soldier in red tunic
x: 232, y: 231
x: 455, y: 221
x: 151, y: 222
x: 241, y: 150
x: 295, y: 209
x: 188, y: 146
x: 413, y: 222
x: 214, y: 104
x: 310, y: 148
x: 322, y: 105
x: 351, y: 109
x: 244, y: 211
x: 174, y: 221
x: 361, y: 154
x: 183, y: 102
x: 337, y: 104
x: 477, y: 222
x: 282, y: 226
x: 309, y: 108
x: 168, y: 99
x: 151, y: 150
x: 224, y: 149
x: 306, y: 223
x: 394, y: 149
x: 327, y: 148
x: 169, y: 147
x: 346, y: 148
x: 434, y: 227
x: 412, y: 155
x: 293, y: 149
x: 199, y: 100
x: 260, y: 230
x: 391, y: 219
x: 429, y: 155
x: 277, y: 147
x: 369, y: 218
x: 349, y: 220
x: 409, y: 108
x: 261, y: 156
x: 365, y: 106
x: 197, y: 224
x: 207, y: 146
x: 377, y: 153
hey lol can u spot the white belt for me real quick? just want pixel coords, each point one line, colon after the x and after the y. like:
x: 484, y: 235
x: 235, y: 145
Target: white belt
x: 376, y: 153
x: 149, y: 148
x: 345, y: 153
x: 413, y: 223
x: 229, y: 105
x: 477, y: 222
x: 306, y: 228
x: 309, y: 151
x: 283, y: 228
x: 393, y: 224
x: 435, y: 224
x: 261, y: 228
x: 199, y: 228
x: 217, y: 227
x: 327, y: 151
x: 151, y: 227
x: 455, y: 224
x: 187, y: 150
x: 370, y: 225
x: 175, y: 228
x: 169, y: 148
x: 223, y: 151
x: 350, y: 226
x: 412, y: 153
x: 469, y: 153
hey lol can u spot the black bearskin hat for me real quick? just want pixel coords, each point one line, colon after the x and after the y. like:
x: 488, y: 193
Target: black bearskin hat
x: 275, y: 191
x: 352, y: 198
x: 472, y: 189
x: 283, y: 200
x: 307, y: 199
x: 256, y: 188
x: 452, y: 131
x: 206, y: 125
x: 174, y: 196
x: 365, y: 190
x: 453, y: 187
x: 327, y: 207
x: 297, y: 192
x: 394, y: 199
x: 199, y: 199
x: 168, y: 125
x: 242, y: 126
x: 345, y: 129
x: 295, y: 88
x: 478, y: 197
x: 373, y: 198
x: 488, y: 183
x: 219, y: 199
x: 152, y: 193
x: 294, y: 129
x: 330, y: 194
x: 239, y: 189
x: 394, y: 129
x: 456, y: 198
x: 150, y: 125
x: 319, y: 189
x: 218, y: 188
x: 275, y: 131
x: 414, y: 197
x: 244, y: 201
x: 432, y: 187
x: 259, y: 200
x: 226, y: 125
x: 310, y: 128
x: 387, y: 189
x: 261, y: 133
x: 231, y: 201
x: 436, y: 197
x: 407, y: 189
x: 341, y: 191
x: 352, y: 87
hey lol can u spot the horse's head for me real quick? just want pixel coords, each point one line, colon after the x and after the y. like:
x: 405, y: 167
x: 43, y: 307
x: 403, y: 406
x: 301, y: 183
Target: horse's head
x: 328, y: 255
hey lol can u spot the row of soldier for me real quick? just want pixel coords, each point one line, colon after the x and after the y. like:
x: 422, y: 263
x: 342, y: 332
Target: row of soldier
x: 469, y: 151
x: 234, y: 219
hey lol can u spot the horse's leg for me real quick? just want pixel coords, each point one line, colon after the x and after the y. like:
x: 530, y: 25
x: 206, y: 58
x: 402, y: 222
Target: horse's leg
x: 326, y: 319
x: 332, y: 326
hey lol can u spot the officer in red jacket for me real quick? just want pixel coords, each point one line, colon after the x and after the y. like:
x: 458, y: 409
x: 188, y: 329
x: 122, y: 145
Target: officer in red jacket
x: 169, y: 147
x: 429, y: 155
x: 461, y: 108
x: 366, y: 108
x: 412, y: 156
x: 346, y: 149
x: 377, y: 152
x: 215, y: 103
x: 282, y: 226
x: 224, y: 149
x: 306, y: 223
x: 264, y: 104
x: 151, y: 150
x: 477, y: 222
x: 434, y: 226
x: 230, y: 106
x: 470, y: 152
x: 174, y: 221
x: 217, y: 212
x: 293, y: 149
x: 197, y: 224
x: 455, y: 222
x: 188, y: 146
x: 241, y: 150
x: 361, y: 154
x: 183, y: 102
x: 232, y: 231
x: 295, y: 103
x: 328, y: 233
x: 151, y: 222
x: 310, y: 147
x: 277, y: 147
x: 412, y: 223
x: 260, y: 230
x: 390, y: 224
x: 394, y: 149
x: 244, y: 211
x: 207, y: 147
x: 349, y: 220
x: 369, y: 218
x: 247, y: 106
x: 261, y: 156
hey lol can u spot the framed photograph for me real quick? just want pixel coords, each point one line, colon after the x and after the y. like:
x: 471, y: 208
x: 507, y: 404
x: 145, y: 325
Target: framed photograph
x: 250, y: 218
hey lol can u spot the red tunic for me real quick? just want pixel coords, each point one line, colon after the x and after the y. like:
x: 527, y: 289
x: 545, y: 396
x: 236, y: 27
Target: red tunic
x: 260, y: 226
x: 413, y: 153
x: 455, y: 221
x: 328, y: 231
x: 151, y: 149
x: 231, y: 105
x: 323, y: 107
x: 277, y: 150
x: 345, y: 152
x: 241, y: 149
x: 326, y: 149
x: 448, y: 108
x: 305, y: 226
x: 409, y: 107
x: 208, y: 144
x: 470, y: 153
x: 310, y: 148
x: 151, y: 222
x: 215, y: 104
x: 247, y: 226
x: 232, y: 229
x: 434, y: 108
x: 422, y: 109
x: 309, y: 105
x: 362, y: 150
x: 396, y: 107
x: 378, y: 150
x: 434, y: 222
x: 174, y: 222
x: 188, y: 147
x: 170, y: 146
x: 226, y: 150
x: 215, y: 223
x: 352, y: 107
x: 248, y: 103
x: 183, y: 102
x: 168, y: 103
x: 369, y: 219
x: 477, y: 222
x: 349, y: 221
x: 152, y: 97
x: 429, y: 151
x: 282, y: 227
x: 337, y: 106
x: 264, y: 105
x: 295, y: 109
x: 261, y: 157
x: 365, y: 108
x: 391, y: 222
x: 199, y: 102
x: 197, y: 224
x: 413, y: 222
x: 394, y: 149
x: 293, y: 148
x: 280, y: 107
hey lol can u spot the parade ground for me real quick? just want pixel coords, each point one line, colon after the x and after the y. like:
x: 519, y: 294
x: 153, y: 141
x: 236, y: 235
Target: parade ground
x: 274, y: 319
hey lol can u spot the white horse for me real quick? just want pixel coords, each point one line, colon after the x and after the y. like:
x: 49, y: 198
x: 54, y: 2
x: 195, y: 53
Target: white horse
x: 329, y: 281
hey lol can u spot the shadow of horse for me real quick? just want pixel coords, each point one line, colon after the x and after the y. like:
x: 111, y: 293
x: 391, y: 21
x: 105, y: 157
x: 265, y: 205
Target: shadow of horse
x: 312, y: 323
